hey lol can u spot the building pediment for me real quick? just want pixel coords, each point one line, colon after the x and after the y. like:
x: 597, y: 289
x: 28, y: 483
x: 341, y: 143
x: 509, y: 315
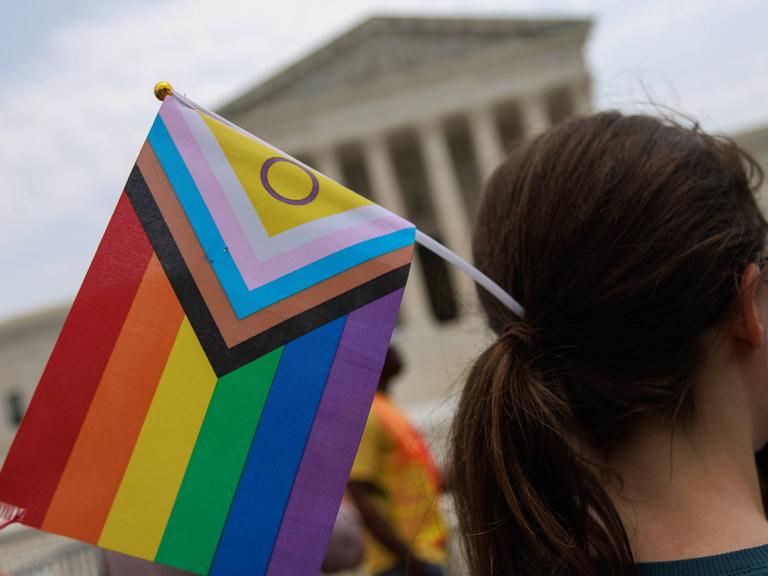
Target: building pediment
x: 382, y: 49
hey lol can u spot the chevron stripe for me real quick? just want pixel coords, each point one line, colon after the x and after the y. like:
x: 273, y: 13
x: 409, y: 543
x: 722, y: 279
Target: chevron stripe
x: 224, y: 358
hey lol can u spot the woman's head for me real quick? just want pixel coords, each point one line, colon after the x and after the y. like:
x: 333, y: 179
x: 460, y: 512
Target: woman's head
x: 625, y: 238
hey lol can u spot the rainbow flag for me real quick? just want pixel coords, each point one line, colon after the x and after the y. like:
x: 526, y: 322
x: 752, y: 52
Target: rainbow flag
x: 204, y: 401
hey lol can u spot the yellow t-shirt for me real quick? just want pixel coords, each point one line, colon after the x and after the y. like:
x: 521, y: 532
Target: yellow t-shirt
x: 394, y: 458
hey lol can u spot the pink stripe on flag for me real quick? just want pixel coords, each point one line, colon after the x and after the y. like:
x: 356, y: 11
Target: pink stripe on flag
x: 207, y: 184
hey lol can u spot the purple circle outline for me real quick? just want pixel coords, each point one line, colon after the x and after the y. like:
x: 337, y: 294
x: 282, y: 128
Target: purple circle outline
x: 275, y: 194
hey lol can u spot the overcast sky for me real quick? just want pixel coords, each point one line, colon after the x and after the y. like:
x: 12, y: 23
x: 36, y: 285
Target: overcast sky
x: 76, y: 80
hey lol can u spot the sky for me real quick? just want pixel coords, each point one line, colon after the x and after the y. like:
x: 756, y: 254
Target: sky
x: 76, y: 100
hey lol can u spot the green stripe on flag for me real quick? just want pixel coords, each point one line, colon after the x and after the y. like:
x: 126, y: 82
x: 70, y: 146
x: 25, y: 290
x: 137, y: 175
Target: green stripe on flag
x: 200, y: 511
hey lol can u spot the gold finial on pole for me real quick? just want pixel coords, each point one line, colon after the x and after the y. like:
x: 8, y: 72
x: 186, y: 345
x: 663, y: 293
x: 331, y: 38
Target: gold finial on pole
x: 163, y: 89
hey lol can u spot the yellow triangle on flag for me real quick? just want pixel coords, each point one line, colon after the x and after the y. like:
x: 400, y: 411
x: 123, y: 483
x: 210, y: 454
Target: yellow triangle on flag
x: 284, y: 194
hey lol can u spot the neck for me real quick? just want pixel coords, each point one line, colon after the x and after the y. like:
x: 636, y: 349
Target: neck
x: 693, y: 491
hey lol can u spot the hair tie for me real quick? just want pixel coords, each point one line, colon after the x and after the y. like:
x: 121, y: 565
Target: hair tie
x: 520, y: 336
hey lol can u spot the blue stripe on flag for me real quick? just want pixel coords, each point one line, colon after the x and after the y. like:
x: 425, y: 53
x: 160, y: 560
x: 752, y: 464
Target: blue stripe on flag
x: 244, y: 301
x: 257, y: 509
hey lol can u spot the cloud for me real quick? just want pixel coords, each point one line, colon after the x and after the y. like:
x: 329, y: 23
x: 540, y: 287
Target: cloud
x: 698, y: 57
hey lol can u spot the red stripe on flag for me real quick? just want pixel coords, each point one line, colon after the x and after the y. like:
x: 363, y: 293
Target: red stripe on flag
x: 44, y: 441
x: 104, y: 446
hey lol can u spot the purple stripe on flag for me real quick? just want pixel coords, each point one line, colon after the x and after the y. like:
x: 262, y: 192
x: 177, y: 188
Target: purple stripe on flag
x: 332, y: 444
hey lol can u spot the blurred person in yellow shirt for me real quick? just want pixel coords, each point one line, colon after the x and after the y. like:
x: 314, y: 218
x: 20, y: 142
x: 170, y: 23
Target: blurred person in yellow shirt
x: 395, y: 486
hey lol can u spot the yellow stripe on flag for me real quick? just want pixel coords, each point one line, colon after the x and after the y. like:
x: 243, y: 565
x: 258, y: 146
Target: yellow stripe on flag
x: 144, y: 501
x: 247, y: 158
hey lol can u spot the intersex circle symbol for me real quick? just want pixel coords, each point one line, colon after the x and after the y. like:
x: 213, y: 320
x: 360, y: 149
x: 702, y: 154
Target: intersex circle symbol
x: 275, y: 194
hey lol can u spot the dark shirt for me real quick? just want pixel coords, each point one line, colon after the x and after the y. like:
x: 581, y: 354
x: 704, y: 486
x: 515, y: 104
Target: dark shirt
x: 747, y: 562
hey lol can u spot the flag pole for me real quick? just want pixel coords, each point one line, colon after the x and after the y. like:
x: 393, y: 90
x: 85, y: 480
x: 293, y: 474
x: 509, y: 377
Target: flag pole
x: 479, y: 277
x: 163, y: 89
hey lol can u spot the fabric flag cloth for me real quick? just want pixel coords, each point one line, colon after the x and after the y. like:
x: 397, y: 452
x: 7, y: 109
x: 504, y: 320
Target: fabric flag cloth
x: 205, y: 399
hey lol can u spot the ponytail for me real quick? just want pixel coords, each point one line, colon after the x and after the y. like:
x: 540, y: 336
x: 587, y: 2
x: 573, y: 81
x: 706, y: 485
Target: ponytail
x: 527, y: 503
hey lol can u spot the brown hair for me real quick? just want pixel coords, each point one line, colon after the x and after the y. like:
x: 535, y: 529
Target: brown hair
x: 623, y: 237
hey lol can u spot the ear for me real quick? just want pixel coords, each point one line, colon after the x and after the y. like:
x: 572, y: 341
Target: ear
x: 748, y: 324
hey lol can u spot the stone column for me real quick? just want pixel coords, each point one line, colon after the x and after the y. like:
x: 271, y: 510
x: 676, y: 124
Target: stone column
x: 486, y: 140
x: 387, y: 191
x: 534, y: 113
x: 452, y: 213
x: 581, y: 96
x: 327, y: 162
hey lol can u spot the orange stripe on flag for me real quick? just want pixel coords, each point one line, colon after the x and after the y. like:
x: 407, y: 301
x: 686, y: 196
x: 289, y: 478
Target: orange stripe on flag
x: 143, y: 503
x: 103, y: 448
